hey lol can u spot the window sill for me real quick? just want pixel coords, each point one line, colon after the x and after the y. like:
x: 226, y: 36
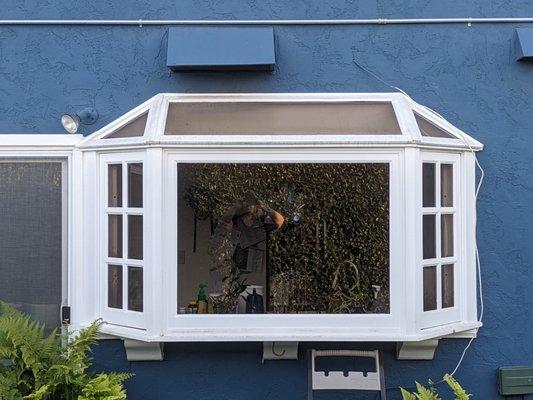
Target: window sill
x: 457, y: 330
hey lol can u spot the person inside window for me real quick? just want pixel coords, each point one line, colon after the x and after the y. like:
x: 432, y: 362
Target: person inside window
x: 239, y: 240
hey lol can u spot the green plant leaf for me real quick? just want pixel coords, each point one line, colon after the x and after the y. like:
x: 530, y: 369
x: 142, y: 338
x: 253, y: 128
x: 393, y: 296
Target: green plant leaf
x: 458, y: 391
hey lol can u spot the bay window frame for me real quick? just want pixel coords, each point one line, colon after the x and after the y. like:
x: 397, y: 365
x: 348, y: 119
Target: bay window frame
x: 236, y: 327
x: 160, y: 322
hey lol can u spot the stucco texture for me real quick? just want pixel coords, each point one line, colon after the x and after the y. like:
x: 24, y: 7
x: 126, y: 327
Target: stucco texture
x: 467, y: 74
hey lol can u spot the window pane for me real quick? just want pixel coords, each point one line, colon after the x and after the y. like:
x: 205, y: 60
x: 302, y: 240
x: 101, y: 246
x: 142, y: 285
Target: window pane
x: 447, y: 286
x: 281, y: 118
x: 135, y: 237
x: 135, y: 289
x: 446, y: 185
x: 428, y: 185
x: 134, y: 128
x: 429, y: 236
x: 115, y: 236
x: 114, y: 286
x: 135, y: 185
x: 114, y: 185
x: 307, y: 238
x: 31, y: 238
x: 446, y: 228
x: 430, y: 288
x: 428, y: 129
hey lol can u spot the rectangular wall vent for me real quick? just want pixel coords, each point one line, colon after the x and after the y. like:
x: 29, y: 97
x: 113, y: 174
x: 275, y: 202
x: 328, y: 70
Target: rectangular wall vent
x: 523, y: 44
x: 221, y: 49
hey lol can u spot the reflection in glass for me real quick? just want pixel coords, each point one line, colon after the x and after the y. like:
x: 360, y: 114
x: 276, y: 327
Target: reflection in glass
x: 446, y: 185
x: 428, y: 237
x: 428, y: 185
x: 447, y: 286
x: 114, y: 239
x: 430, y: 288
x: 135, y: 288
x: 284, y: 238
x: 446, y: 228
x: 114, y: 185
x: 135, y: 237
x: 114, y: 286
x: 135, y: 185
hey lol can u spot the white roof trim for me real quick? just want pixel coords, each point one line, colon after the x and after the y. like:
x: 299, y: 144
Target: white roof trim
x: 158, y: 108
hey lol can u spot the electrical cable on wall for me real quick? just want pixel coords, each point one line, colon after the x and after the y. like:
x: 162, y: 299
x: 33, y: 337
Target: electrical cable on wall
x: 478, y: 187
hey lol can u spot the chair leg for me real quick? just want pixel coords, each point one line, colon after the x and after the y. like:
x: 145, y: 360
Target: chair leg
x: 383, y: 390
x: 309, y: 376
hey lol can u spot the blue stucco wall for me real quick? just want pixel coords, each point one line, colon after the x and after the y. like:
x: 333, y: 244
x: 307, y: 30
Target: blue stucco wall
x: 466, y: 73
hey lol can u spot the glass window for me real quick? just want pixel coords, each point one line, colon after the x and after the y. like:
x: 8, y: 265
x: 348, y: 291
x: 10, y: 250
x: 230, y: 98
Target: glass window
x: 281, y: 118
x: 447, y: 286
x: 438, y: 234
x: 31, y: 225
x: 430, y: 130
x: 428, y: 185
x: 125, y: 237
x: 429, y: 237
x: 446, y: 227
x: 134, y: 128
x: 135, y: 185
x: 430, y: 288
x: 114, y: 248
x: 114, y: 185
x: 135, y: 289
x: 114, y: 286
x: 135, y: 237
x: 283, y: 238
x: 446, y: 185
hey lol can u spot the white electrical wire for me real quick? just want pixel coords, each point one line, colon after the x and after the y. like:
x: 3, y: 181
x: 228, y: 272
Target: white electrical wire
x: 478, y: 187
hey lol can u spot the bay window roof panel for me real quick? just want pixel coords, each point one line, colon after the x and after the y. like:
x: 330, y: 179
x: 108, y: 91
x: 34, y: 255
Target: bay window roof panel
x: 285, y: 118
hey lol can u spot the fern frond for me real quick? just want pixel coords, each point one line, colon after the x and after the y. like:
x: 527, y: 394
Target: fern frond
x: 105, y: 387
x: 458, y: 391
x: 407, y: 395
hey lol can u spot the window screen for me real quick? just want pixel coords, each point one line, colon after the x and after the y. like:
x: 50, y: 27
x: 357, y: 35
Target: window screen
x: 281, y: 118
x: 31, y: 238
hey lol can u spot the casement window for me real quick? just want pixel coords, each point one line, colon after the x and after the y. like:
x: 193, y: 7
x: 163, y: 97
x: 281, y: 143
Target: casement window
x: 282, y: 217
x: 441, y: 250
x: 122, y: 232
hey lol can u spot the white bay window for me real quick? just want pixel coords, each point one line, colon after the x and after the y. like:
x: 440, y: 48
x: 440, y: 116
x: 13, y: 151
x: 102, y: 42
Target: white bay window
x: 274, y: 217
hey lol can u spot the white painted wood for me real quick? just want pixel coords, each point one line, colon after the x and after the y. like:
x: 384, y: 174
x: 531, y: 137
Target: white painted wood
x: 287, y: 322
x: 280, y: 351
x: 160, y: 155
x: 442, y: 316
x: 123, y: 317
x: 137, y: 350
x: 420, y: 350
x: 353, y: 380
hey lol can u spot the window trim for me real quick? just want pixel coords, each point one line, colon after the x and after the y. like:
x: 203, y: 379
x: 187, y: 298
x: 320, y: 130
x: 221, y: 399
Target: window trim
x: 442, y: 316
x: 125, y: 317
x: 286, y: 326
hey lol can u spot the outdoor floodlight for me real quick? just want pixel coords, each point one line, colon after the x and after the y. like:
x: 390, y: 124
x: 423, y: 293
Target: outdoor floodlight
x: 71, y: 122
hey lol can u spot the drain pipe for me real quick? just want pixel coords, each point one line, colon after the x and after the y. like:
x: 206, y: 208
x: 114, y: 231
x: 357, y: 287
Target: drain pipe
x: 378, y: 21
